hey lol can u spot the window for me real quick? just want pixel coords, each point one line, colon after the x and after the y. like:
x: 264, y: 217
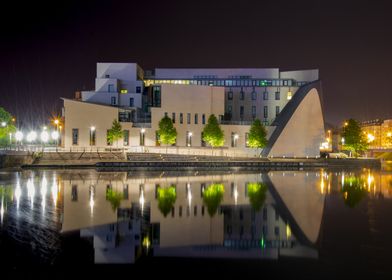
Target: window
x: 188, y: 118
x: 181, y: 118
x: 230, y: 95
x: 124, y: 91
x: 277, y: 95
x: 125, y: 192
x: 246, y: 140
x: 141, y: 137
x: 277, y: 110
x: 107, y: 76
x: 202, y: 210
x: 138, y: 89
x: 265, y: 112
x: 254, y: 95
x: 253, y: 112
x: 110, y: 88
x: 242, y: 95
x: 229, y: 109
x: 265, y: 95
x: 195, y: 211
x: 285, y: 82
x: 113, y: 100
x: 172, y: 212
x: 234, y: 139
x: 241, y: 111
x: 203, y: 119
x: 188, y: 139
x: 174, y: 117
x: 276, y: 230
x: 289, y: 95
x: 74, y: 193
x: 126, y: 137
x: 75, y: 136
x: 131, y: 102
x: 196, y: 118
x: 92, y: 136
x: 265, y: 214
x: 180, y: 211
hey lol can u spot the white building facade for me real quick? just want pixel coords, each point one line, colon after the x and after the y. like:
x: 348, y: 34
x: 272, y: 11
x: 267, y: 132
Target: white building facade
x: 288, y: 103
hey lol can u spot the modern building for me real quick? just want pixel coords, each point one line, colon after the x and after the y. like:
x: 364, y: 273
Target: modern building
x: 288, y: 103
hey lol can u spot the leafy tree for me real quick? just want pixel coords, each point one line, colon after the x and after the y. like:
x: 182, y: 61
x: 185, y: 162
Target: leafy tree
x: 115, y: 133
x: 257, y: 194
x: 257, y: 137
x: 167, y: 132
x: 114, y: 198
x: 212, y: 197
x: 354, y: 190
x: 354, y: 139
x: 166, y: 199
x: 212, y: 133
x: 5, y: 118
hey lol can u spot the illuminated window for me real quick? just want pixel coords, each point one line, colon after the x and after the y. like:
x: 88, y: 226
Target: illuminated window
x: 123, y: 91
x: 289, y: 95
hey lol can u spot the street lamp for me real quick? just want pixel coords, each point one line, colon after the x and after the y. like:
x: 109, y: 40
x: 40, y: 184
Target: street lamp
x: 3, y: 124
x: 31, y: 136
x: 19, y: 136
x: 44, y: 136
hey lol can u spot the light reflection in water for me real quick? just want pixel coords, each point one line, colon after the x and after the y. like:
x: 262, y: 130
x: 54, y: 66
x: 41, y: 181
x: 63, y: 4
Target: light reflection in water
x: 232, y: 227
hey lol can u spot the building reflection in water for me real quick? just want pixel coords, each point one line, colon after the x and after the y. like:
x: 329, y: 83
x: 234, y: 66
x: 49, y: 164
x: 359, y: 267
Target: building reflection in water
x: 258, y: 215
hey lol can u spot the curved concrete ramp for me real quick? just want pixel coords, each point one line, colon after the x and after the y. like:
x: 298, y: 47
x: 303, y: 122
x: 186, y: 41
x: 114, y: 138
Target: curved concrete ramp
x: 302, y: 196
x: 300, y: 126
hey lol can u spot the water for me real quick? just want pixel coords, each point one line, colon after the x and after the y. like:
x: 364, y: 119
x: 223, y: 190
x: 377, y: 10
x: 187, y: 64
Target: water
x: 319, y: 222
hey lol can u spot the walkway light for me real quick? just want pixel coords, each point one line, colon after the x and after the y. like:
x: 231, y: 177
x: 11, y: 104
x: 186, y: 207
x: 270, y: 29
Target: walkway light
x: 142, y: 130
x: 55, y: 135
x: 32, y: 136
x: 44, y: 136
x: 19, y: 136
x: 3, y: 124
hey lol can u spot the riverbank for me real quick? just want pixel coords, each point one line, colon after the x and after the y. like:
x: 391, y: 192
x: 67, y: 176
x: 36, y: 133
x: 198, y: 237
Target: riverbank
x: 153, y: 161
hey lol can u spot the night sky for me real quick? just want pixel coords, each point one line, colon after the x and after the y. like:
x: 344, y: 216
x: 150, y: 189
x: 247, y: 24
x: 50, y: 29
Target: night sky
x: 49, y: 51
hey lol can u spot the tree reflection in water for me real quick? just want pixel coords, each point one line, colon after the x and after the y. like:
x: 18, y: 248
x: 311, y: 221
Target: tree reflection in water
x: 114, y: 198
x: 166, y: 199
x: 257, y: 193
x: 212, y: 197
x: 353, y: 190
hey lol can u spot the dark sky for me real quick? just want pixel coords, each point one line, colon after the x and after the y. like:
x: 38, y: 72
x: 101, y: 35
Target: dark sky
x: 50, y: 50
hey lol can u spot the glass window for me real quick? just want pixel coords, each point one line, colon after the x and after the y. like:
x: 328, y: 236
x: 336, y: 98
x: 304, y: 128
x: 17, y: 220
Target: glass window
x: 230, y: 95
x: 254, y: 95
x: 203, y: 119
x: 242, y: 111
x: 277, y: 110
x: 138, y: 89
x: 265, y: 112
x: 265, y: 95
x: 188, y: 118
x: 181, y: 118
x: 229, y: 108
x: 126, y: 137
x: 131, y: 102
x: 242, y: 95
x: 75, y: 136
x: 196, y: 118
x: 174, y: 117
x: 74, y: 193
x: 277, y: 95
x: 110, y: 88
x: 253, y: 111
x: 113, y: 100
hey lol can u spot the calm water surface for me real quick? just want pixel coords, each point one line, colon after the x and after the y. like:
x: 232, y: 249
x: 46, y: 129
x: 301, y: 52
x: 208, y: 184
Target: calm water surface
x: 329, y: 222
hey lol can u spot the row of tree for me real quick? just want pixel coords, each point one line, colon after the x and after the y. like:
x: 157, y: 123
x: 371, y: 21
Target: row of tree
x: 212, y: 133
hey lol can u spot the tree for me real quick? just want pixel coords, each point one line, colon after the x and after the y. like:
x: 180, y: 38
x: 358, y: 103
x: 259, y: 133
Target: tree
x: 354, y: 139
x: 257, y: 137
x: 115, y: 133
x: 166, y: 199
x: 212, y: 197
x: 257, y: 194
x: 212, y: 133
x: 6, y: 126
x: 167, y: 132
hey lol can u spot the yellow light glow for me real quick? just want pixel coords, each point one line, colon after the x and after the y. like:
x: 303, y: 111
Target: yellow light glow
x: 288, y: 231
x: 370, y: 137
x: 389, y: 134
x: 123, y: 91
x: 289, y: 95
